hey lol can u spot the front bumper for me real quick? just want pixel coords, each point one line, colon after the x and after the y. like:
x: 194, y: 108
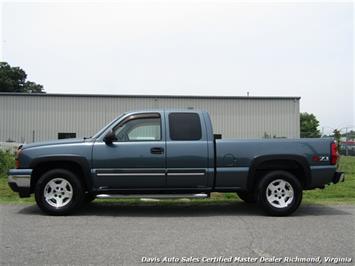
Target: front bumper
x: 19, y: 181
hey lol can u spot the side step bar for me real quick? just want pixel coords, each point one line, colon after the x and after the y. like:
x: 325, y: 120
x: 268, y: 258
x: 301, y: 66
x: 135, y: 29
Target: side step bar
x: 152, y: 196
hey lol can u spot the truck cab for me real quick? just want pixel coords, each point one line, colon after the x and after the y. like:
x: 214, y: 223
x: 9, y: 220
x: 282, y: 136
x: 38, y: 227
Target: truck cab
x: 155, y: 151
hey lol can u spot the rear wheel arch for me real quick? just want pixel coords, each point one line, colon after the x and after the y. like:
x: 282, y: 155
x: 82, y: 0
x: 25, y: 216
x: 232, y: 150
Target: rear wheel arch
x: 294, y: 164
x: 77, y: 165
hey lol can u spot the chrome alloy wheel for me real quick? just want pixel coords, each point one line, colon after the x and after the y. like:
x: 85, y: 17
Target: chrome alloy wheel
x: 58, y: 192
x: 279, y: 193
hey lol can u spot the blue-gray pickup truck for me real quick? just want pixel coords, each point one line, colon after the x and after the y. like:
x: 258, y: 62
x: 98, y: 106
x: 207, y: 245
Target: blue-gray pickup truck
x: 172, y: 154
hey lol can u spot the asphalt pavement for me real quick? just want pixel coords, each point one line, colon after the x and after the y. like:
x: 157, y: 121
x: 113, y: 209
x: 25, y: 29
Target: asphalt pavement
x: 115, y: 234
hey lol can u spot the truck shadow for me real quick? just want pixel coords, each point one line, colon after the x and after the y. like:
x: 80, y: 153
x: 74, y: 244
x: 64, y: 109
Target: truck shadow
x: 187, y: 210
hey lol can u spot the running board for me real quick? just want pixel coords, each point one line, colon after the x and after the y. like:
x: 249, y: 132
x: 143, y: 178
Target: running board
x: 152, y: 196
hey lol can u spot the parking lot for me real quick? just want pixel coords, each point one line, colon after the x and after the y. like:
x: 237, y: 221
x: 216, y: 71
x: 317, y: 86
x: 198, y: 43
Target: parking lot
x: 112, y: 233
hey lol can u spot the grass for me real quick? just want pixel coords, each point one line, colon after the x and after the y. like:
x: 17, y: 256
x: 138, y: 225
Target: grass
x: 8, y: 196
x: 341, y: 193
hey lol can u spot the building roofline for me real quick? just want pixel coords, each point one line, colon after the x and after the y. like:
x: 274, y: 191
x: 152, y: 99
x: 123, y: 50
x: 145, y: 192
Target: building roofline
x: 149, y: 96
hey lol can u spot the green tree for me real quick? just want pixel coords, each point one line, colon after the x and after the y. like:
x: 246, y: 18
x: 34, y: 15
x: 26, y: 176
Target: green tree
x: 13, y: 79
x: 337, y: 136
x: 350, y: 135
x: 309, y: 126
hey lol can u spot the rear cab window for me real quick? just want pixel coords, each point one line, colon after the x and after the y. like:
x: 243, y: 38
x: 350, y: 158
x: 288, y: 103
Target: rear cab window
x: 185, y: 126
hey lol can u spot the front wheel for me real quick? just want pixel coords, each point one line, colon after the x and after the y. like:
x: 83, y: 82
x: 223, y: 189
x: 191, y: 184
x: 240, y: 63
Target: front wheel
x: 279, y: 193
x: 59, y: 192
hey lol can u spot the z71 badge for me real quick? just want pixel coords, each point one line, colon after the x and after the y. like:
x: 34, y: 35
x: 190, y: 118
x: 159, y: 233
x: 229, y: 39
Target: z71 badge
x: 323, y: 158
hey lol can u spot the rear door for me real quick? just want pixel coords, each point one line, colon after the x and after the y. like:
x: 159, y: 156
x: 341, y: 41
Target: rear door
x: 186, y: 150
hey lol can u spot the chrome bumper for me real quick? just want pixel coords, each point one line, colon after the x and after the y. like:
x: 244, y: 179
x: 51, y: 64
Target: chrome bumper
x: 19, y: 181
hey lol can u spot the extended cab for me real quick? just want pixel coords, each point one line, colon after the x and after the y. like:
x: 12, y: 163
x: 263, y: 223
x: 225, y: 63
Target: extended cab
x: 172, y: 153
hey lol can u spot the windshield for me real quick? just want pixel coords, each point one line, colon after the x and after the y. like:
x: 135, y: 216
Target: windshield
x: 107, y: 126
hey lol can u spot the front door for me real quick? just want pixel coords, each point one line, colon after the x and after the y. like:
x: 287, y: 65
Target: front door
x: 136, y: 159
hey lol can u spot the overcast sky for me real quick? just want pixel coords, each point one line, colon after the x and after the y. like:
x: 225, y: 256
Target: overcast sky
x: 189, y: 48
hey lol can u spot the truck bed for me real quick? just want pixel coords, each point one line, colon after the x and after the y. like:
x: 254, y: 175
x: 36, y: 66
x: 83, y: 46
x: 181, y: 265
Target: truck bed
x: 235, y: 158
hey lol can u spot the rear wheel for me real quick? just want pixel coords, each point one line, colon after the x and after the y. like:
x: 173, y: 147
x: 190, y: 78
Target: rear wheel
x: 247, y: 197
x: 59, y: 192
x: 279, y: 193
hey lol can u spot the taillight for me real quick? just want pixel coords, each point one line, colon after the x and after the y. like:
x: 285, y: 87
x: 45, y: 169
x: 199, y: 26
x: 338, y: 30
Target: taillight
x: 334, y: 155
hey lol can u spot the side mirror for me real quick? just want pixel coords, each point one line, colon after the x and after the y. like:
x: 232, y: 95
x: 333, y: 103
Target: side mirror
x: 110, y: 137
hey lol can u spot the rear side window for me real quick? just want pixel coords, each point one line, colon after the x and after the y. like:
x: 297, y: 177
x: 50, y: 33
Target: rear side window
x: 184, y: 126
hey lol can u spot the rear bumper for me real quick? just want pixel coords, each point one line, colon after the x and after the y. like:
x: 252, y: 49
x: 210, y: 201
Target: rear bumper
x: 19, y: 181
x: 338, y: 177
x: 325, y: 175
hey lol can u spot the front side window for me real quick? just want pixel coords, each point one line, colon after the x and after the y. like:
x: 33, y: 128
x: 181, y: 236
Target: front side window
x: 139, y: 129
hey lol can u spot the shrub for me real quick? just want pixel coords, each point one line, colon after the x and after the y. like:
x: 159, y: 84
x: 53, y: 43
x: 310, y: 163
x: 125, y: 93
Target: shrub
x: 7, y: 161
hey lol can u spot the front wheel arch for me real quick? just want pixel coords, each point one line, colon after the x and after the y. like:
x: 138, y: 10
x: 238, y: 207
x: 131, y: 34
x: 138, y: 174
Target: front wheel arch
x: 42, y: 165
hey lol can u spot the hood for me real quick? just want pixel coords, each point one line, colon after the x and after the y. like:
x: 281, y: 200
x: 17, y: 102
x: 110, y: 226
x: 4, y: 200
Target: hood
x: 54, y: 142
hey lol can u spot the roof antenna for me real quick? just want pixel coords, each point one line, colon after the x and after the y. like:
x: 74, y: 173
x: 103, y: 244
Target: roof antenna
x: 247, y: 93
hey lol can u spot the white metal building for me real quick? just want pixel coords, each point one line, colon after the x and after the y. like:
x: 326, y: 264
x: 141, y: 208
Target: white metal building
x: 26, y: 118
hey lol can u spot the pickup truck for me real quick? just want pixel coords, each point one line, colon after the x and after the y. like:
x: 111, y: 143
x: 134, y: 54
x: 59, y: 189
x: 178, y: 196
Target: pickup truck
x: 172, y: 154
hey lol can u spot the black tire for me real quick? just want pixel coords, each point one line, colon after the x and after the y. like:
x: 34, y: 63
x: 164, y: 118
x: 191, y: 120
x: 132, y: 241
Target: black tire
x: 286, y: 204
x: 247, y: 197
x: 75, y: 187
